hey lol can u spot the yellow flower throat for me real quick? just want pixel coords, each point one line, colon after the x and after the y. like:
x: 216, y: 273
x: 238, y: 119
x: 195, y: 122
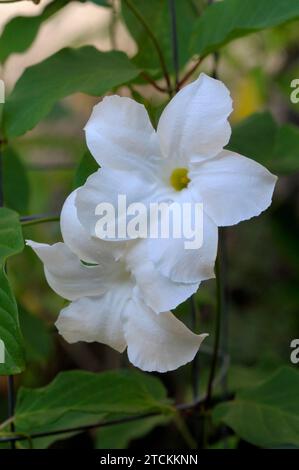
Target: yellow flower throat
x: 179, y: 178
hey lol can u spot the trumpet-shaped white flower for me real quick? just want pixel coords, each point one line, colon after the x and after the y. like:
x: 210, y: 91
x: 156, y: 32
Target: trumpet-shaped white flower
x: 115, y: 297
x: 183, y: 160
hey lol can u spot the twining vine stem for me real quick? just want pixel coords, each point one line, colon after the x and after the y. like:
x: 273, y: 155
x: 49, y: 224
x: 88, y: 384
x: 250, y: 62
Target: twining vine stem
x: 149, y: 79
x: 189, y: 74
x: 18, y: 1
x: 175, y: 44
x: 178, y: 83
x: 182, y: 408
x: 219, y: 295
x: 38, y: 219
x: 154, y: 40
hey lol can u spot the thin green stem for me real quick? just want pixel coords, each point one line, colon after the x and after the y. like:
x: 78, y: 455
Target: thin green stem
x: 175, y: 44
x: 150, y: 80
x: 112, y: 25
x: 190, y: 72
x: 195, y: 367
x: 6, y: 423
x: 154, y: 41
x: 40, y: 220
x: 18, y: 1
x: 219, y: 307
x: 184, y: 431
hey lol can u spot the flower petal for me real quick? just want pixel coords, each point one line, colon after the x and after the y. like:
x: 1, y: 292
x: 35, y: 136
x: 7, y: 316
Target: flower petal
x: 81, y: 243
x: 107, y: 186
x: 157, y: 291
x: 119, y: 134
x: 180, y: 264
x: 232, y: 187
x: 95, y: 319
x: 194, y: 124
x: 70, y: 278
x: 158, y: 342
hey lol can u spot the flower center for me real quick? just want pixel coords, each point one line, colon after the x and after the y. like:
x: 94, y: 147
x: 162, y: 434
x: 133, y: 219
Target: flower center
x: 179, y: 178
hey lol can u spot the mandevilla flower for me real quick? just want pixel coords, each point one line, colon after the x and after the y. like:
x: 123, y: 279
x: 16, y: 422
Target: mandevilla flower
x: 121, y: 291
x: 114, y: 294
x: 183, y: 161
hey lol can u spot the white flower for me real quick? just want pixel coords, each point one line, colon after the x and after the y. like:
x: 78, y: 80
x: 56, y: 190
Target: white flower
x: 114, y: 297
x: 183, y: 161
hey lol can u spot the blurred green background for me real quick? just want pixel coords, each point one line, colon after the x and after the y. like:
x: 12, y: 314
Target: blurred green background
x: 262, y: 255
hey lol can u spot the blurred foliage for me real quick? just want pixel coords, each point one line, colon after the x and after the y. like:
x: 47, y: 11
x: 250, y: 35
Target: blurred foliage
x: 11, y: 243
x: 15, y: 181
x: 12, y: 41
x: 38, y: 340
x: 266, y: 415
x: 64, y: 73
x: 156, y: 16
x: 119, y: 436
x: 86, y: 167
x: 80, y: 398
x: 42, y: 166
x: 231, y: 19
x: 276, y: 147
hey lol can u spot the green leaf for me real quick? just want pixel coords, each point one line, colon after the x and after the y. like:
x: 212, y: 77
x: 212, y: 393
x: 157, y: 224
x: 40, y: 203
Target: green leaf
x: 109, y: 392
x: 20, y: 32
x: 254, y: 137
x: 157, y: 16
x: 260, y: 137
x: 88, y: 397
x: 68, y: 71
x: 286, y: 149
x: 231, y: 19
x: 11, y: 243
x: 15, y: 181
x: 266, y: 415
x: 37, y: 338
x: 119, y: 436
x: 70, y: 420
x: 86, y: 167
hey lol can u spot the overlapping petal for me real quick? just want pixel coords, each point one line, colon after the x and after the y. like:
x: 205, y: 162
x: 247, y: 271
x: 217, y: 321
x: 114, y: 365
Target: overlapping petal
x: 69, y: 277
x: 95, y: 319
x: 158, y: 342
x: 180, y: 264
x: 158, y: 292
x: 233, y: 187
x: 86, y: 247
x: 108, y: 186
